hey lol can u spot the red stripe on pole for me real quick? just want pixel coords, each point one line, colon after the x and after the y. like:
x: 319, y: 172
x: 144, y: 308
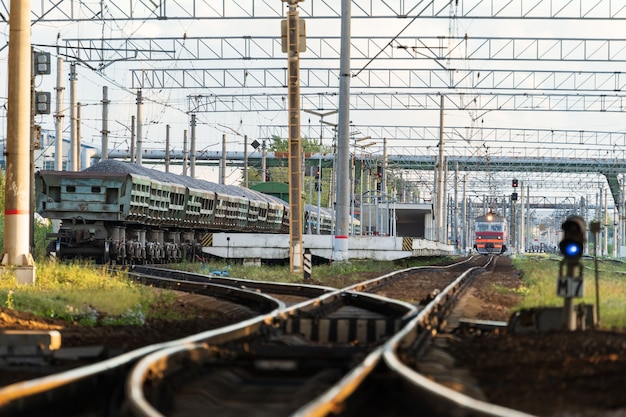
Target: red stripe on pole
x: 10, y: 212
x: 341, y: 237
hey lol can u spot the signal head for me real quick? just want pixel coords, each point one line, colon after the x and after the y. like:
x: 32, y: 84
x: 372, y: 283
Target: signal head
x: 574, y: 237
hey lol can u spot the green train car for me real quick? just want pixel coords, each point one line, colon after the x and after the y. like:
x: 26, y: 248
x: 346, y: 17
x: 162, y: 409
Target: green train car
x: 124, y: 213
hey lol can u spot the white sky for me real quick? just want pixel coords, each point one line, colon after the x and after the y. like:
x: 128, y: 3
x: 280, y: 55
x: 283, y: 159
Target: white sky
x: 169, y: 106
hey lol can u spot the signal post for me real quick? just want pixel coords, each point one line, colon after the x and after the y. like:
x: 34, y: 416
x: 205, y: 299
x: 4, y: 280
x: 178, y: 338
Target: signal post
x: 570, y: 283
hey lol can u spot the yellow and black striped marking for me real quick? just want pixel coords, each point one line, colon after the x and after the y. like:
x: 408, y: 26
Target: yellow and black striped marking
x: 407, y: 244
x: 207, y: 239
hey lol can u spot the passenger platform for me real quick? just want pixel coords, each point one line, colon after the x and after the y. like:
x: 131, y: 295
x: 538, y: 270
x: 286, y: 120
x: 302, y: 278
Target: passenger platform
x: 255, y: 247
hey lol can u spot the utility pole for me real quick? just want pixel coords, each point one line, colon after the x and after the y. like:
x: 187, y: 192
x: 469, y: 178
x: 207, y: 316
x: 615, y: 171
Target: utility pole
x: 105, y: 121
x: 78, y: 141
x: 223, y: 161
x: 319, y: 162
x: 185, y: 153
x: 340, y: 243
x: 132, y: 139
x: 138, y: 148
x: 74, y: 152
x: 263, y: 161
x: 17, y: 212
x: 440, y: 186
x: 193, y: 146
x: 167, y: 148
x: 245, y: 161
x: 293, y: 28
x: 58, y: 118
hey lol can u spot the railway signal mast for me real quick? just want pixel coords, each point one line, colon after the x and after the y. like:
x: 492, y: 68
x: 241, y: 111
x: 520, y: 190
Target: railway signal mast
x: 570, y: 284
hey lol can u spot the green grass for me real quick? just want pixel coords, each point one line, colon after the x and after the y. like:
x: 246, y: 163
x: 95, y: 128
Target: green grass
x: 86, y: 294
x: 540, y: 279
x: 78, y: 292
x: 323, y: 274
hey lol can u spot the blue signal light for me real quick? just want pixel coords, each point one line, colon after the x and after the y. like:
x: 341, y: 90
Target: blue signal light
x: 571, y: 249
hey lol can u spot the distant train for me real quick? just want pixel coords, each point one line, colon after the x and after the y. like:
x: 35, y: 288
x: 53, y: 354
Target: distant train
x: 491, y: 234
x: 125, y: 213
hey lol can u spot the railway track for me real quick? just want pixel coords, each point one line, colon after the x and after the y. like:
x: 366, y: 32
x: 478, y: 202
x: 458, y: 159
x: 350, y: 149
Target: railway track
x: 320, y: 351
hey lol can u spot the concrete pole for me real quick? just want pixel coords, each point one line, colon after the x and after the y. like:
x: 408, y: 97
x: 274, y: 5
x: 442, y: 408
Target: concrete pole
x: 185, y: 153
x: 167, y: 148
x: 522, y: 238
x: 340, y: 246
x: 77, y: 152
x: 193, y: 146
x: 455, y: 221
x: 17, y: 212
x: 296, y: 253
x: 440, y: 179
x: 465, y: 229
x: 383, y: 190
x: 263, y: 161
x: 223, y: 161
x: 139, y: 150
x: 615, y: 234
x: 73, y: 134
x: 245, y: 161
x: 105, y: 121
x: 606, y: 223
x: 132, y: 139
x: 58, y: 118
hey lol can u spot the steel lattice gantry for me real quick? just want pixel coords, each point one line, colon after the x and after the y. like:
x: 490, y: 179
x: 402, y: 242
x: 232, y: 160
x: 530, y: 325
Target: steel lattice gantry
x: 425, y: 67
x: 77, y: 10
x: 101, y: 51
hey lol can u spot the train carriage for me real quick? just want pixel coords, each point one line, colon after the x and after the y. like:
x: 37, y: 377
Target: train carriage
x: 125, y: 213
x: 490, y: 234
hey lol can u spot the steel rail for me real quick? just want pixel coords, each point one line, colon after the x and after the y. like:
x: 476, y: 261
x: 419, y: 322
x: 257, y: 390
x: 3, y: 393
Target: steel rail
x: 329, y: 402
x: 441, y: 400
x: 66, y: 392
x: 154, y: 368
x: 303, y: 290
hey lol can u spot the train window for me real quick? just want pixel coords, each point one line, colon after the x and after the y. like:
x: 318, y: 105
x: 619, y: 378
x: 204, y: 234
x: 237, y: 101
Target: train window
x: 482, y: 227
x: 54, y: 193
x: 496, y: 227
x: 95, y: 190
x: 70, y: 189
x: 111, y: 196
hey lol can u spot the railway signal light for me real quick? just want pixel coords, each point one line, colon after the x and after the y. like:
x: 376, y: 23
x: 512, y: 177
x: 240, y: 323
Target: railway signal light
x: 42, y: 102
x: 574, y: 237
x: 515, y: 183
x: 42, y: 64
x: 318, y: 173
